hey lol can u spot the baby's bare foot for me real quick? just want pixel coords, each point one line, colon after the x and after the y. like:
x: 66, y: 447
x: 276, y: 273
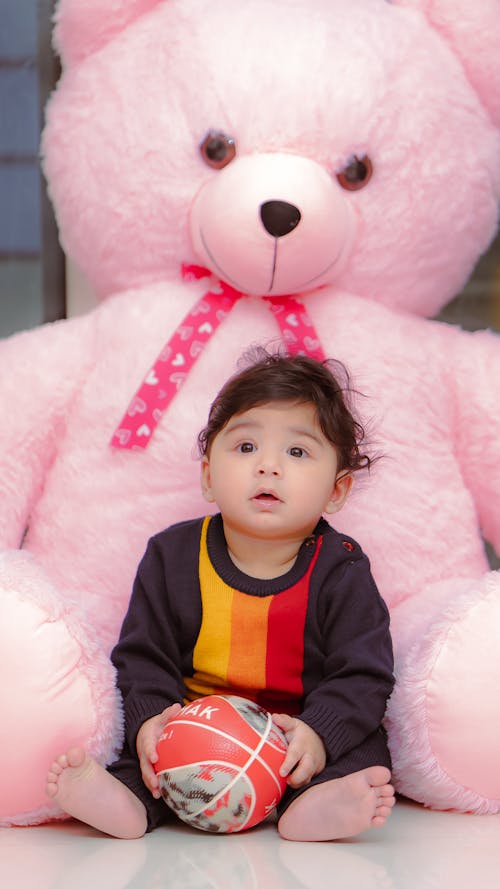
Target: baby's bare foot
x: 85, y: 790
x: 78, y: 763
x: 340, y: 808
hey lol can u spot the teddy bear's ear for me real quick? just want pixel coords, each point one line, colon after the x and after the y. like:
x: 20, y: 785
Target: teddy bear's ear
x: 472, y: 28
x: 83, y: 26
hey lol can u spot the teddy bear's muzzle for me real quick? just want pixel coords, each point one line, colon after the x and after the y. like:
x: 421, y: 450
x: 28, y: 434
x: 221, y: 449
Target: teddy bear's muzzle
x: 272, y: 224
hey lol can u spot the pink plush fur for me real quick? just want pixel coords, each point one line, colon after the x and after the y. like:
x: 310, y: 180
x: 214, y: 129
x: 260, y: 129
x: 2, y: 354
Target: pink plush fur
x: 301, y: 85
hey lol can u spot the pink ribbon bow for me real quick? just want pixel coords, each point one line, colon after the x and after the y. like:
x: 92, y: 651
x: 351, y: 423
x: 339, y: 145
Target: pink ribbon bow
x: 173, y: 365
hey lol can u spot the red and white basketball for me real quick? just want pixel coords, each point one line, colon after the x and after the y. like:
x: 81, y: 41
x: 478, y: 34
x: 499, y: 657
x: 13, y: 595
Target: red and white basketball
x: 219, y: 761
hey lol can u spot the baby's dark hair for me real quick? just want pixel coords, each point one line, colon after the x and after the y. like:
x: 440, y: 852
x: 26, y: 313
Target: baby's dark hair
x: 295, y: 378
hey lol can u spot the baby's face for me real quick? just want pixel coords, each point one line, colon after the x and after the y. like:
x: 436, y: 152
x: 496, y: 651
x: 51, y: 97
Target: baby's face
x: 272, y: 471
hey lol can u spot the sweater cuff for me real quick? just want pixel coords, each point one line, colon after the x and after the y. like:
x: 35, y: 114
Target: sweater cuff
x: 138, y: 710
x: 332, y: 730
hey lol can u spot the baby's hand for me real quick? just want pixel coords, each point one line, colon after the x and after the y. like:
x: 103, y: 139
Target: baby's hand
x: 306, y: 754
x: 146, y: 743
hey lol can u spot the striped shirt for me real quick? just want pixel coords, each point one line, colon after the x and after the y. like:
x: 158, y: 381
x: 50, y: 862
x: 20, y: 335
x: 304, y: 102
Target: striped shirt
x: 313, y: 642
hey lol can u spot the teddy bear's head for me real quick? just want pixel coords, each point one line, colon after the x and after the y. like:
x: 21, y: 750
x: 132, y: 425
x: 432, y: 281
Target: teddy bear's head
x: 285, y: 145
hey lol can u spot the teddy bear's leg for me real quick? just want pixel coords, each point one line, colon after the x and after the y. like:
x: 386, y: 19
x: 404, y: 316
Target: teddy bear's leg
x: 57, y: 689
x: 444, y: 715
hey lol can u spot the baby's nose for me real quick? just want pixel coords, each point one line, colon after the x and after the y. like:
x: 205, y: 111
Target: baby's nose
x: 269, y: 467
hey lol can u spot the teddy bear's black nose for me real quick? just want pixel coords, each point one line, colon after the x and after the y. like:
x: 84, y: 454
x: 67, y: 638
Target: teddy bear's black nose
x: 279, y: 218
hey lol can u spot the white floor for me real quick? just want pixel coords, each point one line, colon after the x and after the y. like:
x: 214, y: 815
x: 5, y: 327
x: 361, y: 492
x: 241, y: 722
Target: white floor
x: 418, y: 849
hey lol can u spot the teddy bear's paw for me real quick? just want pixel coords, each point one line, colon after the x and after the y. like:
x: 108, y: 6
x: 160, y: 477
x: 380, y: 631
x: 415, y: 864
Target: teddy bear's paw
x: 444, y: 715
x: 57, y: 689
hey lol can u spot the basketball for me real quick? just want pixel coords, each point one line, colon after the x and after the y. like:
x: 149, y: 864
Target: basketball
x: 218, y: 764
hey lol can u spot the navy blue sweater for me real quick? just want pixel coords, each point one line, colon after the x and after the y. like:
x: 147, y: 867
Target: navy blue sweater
x: 345, y: 670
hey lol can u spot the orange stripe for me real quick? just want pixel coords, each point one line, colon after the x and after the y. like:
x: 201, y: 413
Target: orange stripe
x: 247, y: 657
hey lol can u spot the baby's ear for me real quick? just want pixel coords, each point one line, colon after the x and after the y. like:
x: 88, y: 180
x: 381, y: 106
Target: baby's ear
x: 340, y: 493
x: 206, y: 486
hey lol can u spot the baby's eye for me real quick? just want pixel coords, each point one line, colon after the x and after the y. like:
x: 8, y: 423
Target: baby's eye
x: 297, y: 452
x: 246, y: 447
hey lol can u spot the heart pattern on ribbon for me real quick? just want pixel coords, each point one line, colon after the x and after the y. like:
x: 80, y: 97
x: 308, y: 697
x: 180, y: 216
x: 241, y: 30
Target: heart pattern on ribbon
x: 173, y: 365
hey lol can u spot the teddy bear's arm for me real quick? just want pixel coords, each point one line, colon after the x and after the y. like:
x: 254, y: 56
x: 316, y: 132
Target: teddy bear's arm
x: 475, y: 366
x: 38, y: 373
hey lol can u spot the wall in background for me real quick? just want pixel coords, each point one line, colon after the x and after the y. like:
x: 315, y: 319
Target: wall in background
x: 32, y: 286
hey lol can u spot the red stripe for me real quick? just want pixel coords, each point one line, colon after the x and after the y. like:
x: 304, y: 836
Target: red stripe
x: 285, y: 645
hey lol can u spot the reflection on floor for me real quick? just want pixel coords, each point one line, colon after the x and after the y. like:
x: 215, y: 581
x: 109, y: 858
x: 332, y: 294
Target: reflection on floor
x: 418, y: 849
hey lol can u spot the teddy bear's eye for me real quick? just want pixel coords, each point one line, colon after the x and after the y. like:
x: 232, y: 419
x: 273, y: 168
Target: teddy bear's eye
x: 217, y: 149
x: 356, y: 173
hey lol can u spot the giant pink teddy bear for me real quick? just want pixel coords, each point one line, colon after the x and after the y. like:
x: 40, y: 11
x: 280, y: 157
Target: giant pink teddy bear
x: 341, y: 157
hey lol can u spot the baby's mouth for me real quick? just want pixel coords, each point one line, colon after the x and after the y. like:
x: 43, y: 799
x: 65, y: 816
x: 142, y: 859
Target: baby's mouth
x: 268, y: 496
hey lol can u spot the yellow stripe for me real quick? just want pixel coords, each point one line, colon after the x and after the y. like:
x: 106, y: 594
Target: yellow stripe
x: 212, y: 649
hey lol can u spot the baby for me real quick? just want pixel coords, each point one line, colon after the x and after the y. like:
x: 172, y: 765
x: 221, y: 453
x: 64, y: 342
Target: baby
x: 265, y: 600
